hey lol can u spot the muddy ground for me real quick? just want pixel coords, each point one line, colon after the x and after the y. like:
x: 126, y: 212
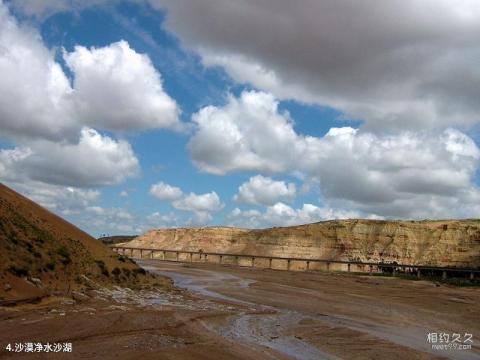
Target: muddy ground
x: 223, y: 312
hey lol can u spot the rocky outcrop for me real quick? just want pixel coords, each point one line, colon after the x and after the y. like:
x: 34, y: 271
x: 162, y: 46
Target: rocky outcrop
x: 440, y: 243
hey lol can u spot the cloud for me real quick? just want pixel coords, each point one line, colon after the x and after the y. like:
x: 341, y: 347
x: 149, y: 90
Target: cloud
x: 51, y: 122
x: 119, y: 214
x: 41, y: 112
x: 201, y: 205
x: 260, y: 190
x: 157, y: 219
x: 208, y: 202
x: 63, y: 200
x: 94, y: 160
x: 393, y: 67
x: 247, y: 218
x: 232, y: 137
x: 200, y: 218
x: 404, y: 174
x: 167, y: 192
x: 280, y: 214
x: 82, y: 207
x: 117, y: 88
x: 110, y: 220
x: 121, y: 221
x: 385, y: 62
x: 413, y: 78
x: 34, y: 91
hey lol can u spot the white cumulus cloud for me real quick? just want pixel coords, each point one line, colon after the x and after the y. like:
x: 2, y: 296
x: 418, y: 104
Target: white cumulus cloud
x: 164, y: 191
x: 261, y: 190
x: 94, y: 160
x: 280, y: 214
x: 114, y: 88
x: 157, y: 219
x: 119, y: 89
x: 208, y: 202
x: 34, y: 91
x: 404, y: 174
x: 52, y: 122
x: 248, y: 133
x: 200, y: 205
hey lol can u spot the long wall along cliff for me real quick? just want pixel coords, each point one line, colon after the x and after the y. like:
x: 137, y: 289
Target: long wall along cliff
x: 452, y: 243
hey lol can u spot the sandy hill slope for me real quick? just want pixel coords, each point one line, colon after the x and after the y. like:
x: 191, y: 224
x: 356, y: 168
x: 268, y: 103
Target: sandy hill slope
x: 40, y: 253
x: 439, y: 243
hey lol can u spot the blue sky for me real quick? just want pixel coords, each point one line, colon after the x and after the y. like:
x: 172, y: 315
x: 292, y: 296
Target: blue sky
x: 237, y: 121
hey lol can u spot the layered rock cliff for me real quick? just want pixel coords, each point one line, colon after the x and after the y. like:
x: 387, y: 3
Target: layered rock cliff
x: 440, y: 243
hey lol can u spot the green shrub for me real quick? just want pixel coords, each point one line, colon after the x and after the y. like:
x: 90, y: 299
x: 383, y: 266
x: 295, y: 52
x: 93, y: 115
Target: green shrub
x: 13, y: 238
x: 103, y: 267
x: 64, y: 254
x: 19, y: 270
x: 139, y: 271
x: 100, y: 263
x: 126, y: 271
x: 41, y: 236
x: 116, y: 271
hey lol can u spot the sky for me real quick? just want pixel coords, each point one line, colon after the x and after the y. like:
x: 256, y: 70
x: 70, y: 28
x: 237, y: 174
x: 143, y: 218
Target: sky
x: 122, y: 116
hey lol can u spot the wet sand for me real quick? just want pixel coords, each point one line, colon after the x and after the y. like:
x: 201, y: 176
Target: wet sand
x: 328, y: 315
x: 240, y: 313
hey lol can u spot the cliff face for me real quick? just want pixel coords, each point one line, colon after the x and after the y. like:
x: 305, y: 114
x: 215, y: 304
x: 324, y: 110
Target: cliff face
x: 439, y: 243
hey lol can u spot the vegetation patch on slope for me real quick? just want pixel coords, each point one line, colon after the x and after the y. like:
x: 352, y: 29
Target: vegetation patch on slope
x: 42, y: 254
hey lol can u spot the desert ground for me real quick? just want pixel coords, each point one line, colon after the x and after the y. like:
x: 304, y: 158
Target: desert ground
x: 224, y: 312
